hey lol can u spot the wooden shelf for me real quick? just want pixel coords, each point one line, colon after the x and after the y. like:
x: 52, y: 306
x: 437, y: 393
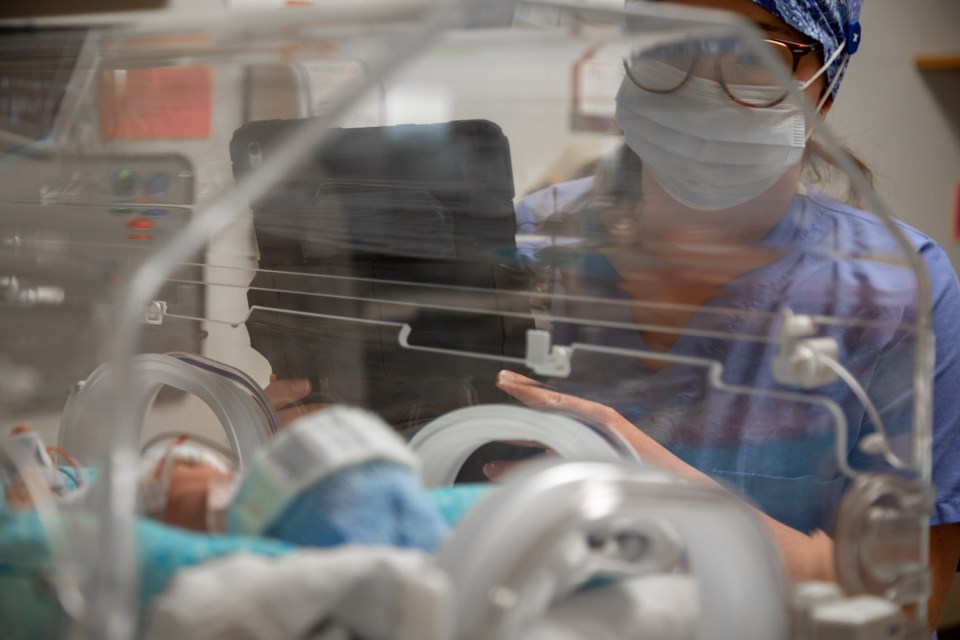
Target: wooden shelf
x: 939, y: 63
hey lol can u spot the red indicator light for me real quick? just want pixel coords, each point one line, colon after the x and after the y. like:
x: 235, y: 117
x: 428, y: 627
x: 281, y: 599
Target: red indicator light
x: 140, y: 224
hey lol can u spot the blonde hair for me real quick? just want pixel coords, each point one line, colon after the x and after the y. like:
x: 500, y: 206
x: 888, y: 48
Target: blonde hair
x: 821, y: 167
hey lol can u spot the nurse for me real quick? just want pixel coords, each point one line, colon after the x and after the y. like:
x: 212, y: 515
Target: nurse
x: 707, y: 200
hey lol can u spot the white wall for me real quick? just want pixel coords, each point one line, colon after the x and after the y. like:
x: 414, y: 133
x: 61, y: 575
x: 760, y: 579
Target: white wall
x: 904, y: 123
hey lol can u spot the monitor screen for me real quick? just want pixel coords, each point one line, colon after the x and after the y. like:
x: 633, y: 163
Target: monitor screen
x: 35, y: 69
x: 409, y: 224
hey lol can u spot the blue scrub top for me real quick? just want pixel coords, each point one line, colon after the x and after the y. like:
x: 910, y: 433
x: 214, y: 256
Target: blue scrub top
x: 779, y: 454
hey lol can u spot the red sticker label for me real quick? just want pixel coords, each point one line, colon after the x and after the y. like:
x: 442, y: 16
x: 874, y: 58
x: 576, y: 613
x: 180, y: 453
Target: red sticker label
x: 156, y: 103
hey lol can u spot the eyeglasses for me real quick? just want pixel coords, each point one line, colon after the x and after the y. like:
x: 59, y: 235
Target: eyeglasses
x: 743, y: 74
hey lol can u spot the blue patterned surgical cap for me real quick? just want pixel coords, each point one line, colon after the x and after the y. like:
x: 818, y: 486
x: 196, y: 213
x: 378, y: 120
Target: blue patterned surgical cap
x: 829, y: 22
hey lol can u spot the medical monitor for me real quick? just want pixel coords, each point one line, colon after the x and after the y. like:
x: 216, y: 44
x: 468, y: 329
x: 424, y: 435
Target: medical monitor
x: 385, y: 228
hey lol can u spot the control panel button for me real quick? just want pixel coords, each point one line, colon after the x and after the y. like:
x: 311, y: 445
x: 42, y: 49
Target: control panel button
x: 158, y: 185
x: 126, y: 182
x: 123, y: 211
x: 155, y: 213
x: 140, y: 224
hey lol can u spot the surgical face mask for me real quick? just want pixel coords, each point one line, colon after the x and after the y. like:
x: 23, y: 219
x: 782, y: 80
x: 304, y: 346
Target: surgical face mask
x: 706, y: 151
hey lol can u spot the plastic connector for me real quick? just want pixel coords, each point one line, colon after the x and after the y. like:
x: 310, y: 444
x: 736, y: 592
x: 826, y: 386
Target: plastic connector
x: 155, y: 312
x: 545, y: 359
x: 807, y: 596
x: 859, y: 618
x: 798, y: 362
x: 24, y: 449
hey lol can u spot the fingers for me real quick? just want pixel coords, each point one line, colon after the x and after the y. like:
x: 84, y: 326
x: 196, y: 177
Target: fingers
x: 528, y: 391
x: 533, y: 394
x: 513, y: 378
x: 497, y: 469
x: 284, y: 392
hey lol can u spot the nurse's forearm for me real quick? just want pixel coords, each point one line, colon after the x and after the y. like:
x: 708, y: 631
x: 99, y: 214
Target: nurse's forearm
x: 806, y: 557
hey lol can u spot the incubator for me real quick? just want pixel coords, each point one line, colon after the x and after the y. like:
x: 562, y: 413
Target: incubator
x: 478, y: 281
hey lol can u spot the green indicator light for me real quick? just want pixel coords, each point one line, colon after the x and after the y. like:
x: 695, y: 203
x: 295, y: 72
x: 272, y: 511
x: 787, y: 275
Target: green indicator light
x: 125, y: 182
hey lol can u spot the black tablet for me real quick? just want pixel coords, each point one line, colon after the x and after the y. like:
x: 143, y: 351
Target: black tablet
x: 384, y: 227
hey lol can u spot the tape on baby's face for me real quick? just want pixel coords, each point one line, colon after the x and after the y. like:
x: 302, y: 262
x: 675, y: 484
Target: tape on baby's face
x: 188, y: 499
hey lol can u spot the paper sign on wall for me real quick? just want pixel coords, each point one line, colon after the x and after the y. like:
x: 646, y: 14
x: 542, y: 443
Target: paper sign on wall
x: 156, y: 103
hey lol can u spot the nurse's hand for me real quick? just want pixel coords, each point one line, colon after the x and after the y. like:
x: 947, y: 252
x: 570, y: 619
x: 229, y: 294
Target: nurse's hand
x: 284, y: 393
x: 518, y: 452
x: 535, y: 395
x: 807, y: 558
